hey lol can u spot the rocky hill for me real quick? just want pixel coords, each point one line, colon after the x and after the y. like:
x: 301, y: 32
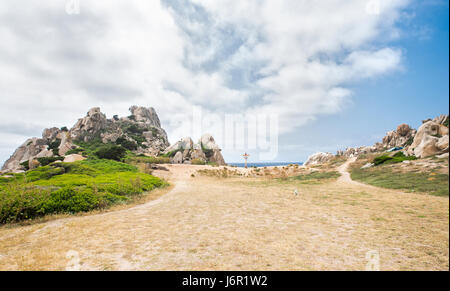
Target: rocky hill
x: 431, y: 139
x: 140, y: 133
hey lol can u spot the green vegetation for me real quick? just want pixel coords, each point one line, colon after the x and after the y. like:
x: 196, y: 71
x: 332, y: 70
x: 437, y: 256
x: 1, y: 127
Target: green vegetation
x: 433, y: 183
x: 75, y: 151
x: 111, y: 152
x: 53, y: 146
x: 397, y: 158
x: 198, y: 162
x: 70, y: 188
x: 132, y: 159
x: 48, y: 160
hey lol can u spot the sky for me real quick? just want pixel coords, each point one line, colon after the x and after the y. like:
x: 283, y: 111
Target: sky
x: 335, y: 73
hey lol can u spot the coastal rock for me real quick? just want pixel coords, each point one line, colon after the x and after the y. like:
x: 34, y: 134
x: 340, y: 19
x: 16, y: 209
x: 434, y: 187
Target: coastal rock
x: 28, y: 150
x: 319, y: 158
x: 73, y: 158
x: 431, y: 139
x: 89, y: 127
x: 398, y: 138
x: 145, y: 115
x: 178, y: 158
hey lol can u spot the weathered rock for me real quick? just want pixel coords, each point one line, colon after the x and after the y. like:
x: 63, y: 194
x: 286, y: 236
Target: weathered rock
x: 66, y: 143
x: 146, y: 115
x: 208, y: 142
x: 89, y: 127
x: 319, y: 158
x: 178, y: 158
x: 368, y: 165
x: 198, y: 154
x: 27, y: 151
x: 431, y: 139
x: 398, y: 138
x: 73, y: 158
x: 33, y: 164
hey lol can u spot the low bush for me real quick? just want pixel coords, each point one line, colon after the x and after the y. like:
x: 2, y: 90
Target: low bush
x: 111, y: 152
x: 198, y: 162
x: 48, y: 160
x: 396, y: 158
x: 70, y: 188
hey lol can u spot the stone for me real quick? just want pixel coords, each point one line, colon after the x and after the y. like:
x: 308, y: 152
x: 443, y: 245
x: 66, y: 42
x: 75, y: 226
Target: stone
x: 443, y: 156
x: 88, y: 128
x: 319, y: 158
x: 73, y: 158
x: 368, y: 165
x: 178, y: 158
x: 431, y: 139
x: 146, y: 115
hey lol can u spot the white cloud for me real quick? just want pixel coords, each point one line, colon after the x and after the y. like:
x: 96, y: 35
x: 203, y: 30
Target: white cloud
x: 295, y: 58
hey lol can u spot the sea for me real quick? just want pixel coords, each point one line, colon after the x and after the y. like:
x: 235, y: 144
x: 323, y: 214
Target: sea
x: 262, y: 165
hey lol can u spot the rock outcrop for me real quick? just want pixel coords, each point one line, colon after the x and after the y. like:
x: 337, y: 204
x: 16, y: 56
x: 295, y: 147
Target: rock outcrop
x: 206, y: 150
x: 401, y: 137
x: 431, y: 139
x: 319, y: 158
x: 140, y: 132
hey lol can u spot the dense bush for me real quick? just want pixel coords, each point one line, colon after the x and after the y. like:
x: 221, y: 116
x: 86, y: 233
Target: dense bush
x: 129, y: 145
x: 396, y: 158
x: 198, y: 162
x: 111, y: 152
x: 48, y: 160
x: 75, y: 151
x: 70, y: 188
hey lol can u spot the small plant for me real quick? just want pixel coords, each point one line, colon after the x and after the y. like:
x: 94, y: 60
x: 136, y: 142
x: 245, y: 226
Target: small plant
x: 48, y: 160
x: 198, y: 162
x: 64, y: 128
x: 111, y: 152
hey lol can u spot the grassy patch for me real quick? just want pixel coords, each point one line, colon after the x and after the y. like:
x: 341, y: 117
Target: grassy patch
x: 397, y: 158
x: 70, y: 188
x: 317, y: 176
x: 433, y: 183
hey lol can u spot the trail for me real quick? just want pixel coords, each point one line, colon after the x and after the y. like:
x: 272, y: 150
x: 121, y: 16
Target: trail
x: 207, y: 223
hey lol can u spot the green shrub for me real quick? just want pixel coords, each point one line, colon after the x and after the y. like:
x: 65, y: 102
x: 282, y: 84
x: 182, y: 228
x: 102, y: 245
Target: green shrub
x: 43, y: 173
x: 111, y: 152
x: 198, y: 162
x: 396, y: 158
x: 129, y: 145
x: 48, y: 160
x: 75, y: 151
x: 54, y: 146
x: 71, y: 187
x: 26, y: 165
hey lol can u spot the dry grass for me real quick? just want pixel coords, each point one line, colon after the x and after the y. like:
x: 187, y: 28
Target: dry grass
x: 210, y: 223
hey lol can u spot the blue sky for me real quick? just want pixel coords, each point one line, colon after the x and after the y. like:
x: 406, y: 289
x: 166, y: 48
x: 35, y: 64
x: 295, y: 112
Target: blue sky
x: 337, y: 73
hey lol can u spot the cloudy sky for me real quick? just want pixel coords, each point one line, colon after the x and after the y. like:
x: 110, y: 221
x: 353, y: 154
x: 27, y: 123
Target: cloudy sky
x: 337, y: 72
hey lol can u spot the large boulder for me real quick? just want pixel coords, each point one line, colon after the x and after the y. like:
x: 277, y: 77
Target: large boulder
x: 319, y: 158
x: 26, y: 152
x: 89, y: 127
x: 398, y: 138
x: 73, y: 158
x: 178, y: 158
x: 431, y: 139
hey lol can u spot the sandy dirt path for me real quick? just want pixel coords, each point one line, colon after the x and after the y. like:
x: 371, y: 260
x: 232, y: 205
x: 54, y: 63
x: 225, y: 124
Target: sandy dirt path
x: 208, y: 223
